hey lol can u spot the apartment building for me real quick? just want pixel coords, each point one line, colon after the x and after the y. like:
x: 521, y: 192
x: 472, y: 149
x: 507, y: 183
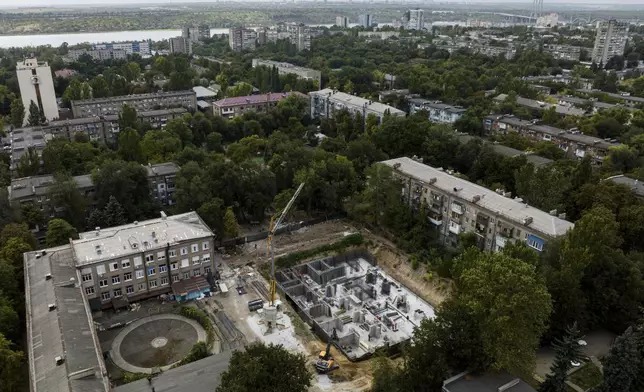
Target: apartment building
x: 561, y: 108
x: 563, y: 52
x: 458, y: 206
x: 37, y: 189
x: 327, y: 101
x: 142, y: 48
x: 342, y: 21
x: 236, y: 106
x: 437, y: 111
x: 96, y: 55
x: 610, y: 40
x: 414, y: 19
x: 141, y: 102
x: 378, y: 34
x: 573, y: 142
x: 195, y: 33
x: 181, y: 45
x: 365, y: 20
x: 286, y: 69
x: 300, y: 36
x: 37, y: 85
x: 18, y: 142
x: 240, y: 39
x: 562, y: 79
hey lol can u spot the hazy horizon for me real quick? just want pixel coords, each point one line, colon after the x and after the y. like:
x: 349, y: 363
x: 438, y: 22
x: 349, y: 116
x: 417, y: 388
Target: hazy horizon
x: 48, y: 3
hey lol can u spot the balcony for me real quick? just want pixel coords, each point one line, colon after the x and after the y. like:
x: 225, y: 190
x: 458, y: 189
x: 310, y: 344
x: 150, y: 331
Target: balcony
x: 454, y: 227
x: 500, y: 242
x: 435, y: 219
x: 457, y: 208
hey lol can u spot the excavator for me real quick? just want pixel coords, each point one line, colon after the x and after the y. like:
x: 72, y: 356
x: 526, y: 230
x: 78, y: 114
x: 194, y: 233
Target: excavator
x: 326, y: 363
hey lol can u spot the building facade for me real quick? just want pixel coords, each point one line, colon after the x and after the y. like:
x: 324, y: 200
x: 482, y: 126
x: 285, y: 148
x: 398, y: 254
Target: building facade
x: 458, y: 206
x: 365, y: 21
x: 324, y: 103
x: 143, y: 48
x: 37, y: 85
x: 342, y: 21
x: 286, y: 69
x: 563, y: 52
x: 141, y: 102
x: 181, y: 45
x: 97, y: 55
x: 573, y: 142
x: 415, y: 20
x: 240, y: 39
x: 300, y: 36
x: 610, y: 40
x: 437, y: 111
x: 261, y: 103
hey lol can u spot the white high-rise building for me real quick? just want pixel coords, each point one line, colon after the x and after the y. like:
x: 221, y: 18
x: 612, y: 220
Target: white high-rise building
x: 37, y: 85
x: 415, y: 21
x: 240, y: 39
x: 610, y: 40
x: 300, y: 36
x: 342, y: 21
x: 365, y: 20
x: 181, y: 45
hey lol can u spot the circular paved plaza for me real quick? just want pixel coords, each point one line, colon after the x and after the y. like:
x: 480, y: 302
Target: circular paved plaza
x: 157, y: 341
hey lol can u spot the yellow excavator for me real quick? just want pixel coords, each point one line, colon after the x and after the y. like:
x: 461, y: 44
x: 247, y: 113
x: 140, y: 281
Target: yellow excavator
x: 326, y: 363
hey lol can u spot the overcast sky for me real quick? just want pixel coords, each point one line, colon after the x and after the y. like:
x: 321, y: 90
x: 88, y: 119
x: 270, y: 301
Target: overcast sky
x: 26, y: 3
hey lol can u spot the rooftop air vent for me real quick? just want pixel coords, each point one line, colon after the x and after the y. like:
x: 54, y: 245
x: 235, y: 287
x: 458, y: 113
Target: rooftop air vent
x: 51, y: 307
x: 59, y: 360
x: 527, y: 221
x: 48, y: 277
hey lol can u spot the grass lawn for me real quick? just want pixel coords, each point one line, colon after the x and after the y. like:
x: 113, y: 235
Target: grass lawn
x: 587, y: 377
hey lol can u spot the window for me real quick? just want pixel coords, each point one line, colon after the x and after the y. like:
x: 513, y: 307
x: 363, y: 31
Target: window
x: 105, y: 295
x: 139, y: 274
x: 518, y: 233
x: 196, y: 260
x: 186, y: 275
x: 125, y: 263
x: 114, y: 266
x: 205, y: 259
x: 196, y: 272
x: 161, y: 256
x: 184, y: 251
x: 100, y: 269
x: 164, y: 281
x: 173, y: 266
x: 172, y: 253
x: 175, y: 278
x: 86, y: 277
x: 127, y: 276
x: 102, y: 283
x: 117, y: 293
x: 535, y: 244
x: 206, y: 270
x: 185, y: 263
x: 152, y: 271
x: 163, y: 268
x: 141, y: 286
x: 137, y: 261
x: 153, y: 284
x: 89, y: 290
x: 205, y: 246
x: 195, y: 248
x: 129, y: 290
x: 116, y: 279
x: 149, y: 258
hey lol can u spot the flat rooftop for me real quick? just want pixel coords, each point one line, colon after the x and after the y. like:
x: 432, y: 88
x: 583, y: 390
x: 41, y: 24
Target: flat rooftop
x: 131, y: 97
x: 135, y: 238
x: 367, y: 308
x: 514, y: 210
x: 352, y: 100
x: 65, y: 331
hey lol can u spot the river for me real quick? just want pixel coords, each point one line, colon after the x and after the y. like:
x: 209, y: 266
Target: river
x: 7, y: 41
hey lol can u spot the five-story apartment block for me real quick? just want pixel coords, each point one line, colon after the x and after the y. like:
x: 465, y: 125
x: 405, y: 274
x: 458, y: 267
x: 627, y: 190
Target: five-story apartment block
x: 458, y: 206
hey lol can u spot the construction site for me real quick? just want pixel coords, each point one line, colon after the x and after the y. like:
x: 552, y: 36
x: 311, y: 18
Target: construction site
x: 349, y: 299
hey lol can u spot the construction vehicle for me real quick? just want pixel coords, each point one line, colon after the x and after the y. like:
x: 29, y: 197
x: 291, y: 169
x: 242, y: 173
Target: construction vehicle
x: 275, y: 225
x: 326, y: 363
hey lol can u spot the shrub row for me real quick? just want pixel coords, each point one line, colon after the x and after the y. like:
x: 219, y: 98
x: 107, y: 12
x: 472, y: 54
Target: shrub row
x: 202, y: 318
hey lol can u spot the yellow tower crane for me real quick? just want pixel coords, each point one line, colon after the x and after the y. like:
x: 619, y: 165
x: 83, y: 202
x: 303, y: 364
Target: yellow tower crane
x: 275, y: 225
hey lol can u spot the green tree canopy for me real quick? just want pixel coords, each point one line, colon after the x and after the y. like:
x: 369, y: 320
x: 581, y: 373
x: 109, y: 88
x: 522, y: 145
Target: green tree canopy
x: 59, y: 232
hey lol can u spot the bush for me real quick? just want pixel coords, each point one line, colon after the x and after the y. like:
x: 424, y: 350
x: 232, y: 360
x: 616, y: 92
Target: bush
x: 131, y: 377
x: 414, y: 262
x: 291, y: 259
x: 198, y: 351
x: 202, y: 318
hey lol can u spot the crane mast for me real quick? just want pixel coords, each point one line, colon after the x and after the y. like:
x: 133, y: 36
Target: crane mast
x: 275, y: 224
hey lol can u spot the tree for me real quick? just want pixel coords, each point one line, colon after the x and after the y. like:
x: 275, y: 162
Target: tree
x: 159, y: 145
x: 59, y: 232
x: 128, y: 183
x: 9, y: 321
x: 11, y: 365
x: 17, y: 230
x: 213, y: 212
x: 128, y: 118
x: 67, y: 199
x: 114, y: 214
x: 100, y: 88
x: 268, y: 368
x: 130, y: 146
x: 623, y: 364
x: 13, y: 251
x: 17, y: 116
x: 29, y: 163
x: 36, y: 117
x: 231, y: 227
x: 512, y: 303
x: 567, y: 350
